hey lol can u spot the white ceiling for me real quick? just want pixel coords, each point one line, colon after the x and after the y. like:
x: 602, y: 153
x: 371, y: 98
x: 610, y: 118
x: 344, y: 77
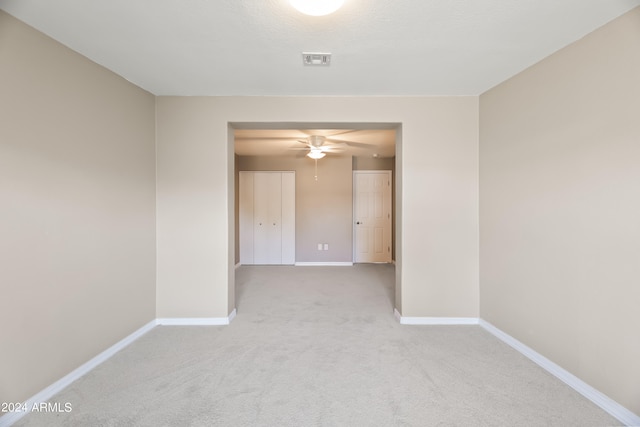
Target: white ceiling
x: 254, y: 48
x: 379, y: 47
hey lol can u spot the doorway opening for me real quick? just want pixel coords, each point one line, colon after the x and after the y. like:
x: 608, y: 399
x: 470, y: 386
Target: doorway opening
x: 324, y: 198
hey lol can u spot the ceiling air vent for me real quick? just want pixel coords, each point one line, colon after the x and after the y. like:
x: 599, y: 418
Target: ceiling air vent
x: 316, y: 58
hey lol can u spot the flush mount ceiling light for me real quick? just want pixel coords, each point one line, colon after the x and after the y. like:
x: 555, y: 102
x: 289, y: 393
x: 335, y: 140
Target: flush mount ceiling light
x: 316, y: 7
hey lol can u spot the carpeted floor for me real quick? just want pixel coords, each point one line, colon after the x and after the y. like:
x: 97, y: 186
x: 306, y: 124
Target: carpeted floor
x: 319, y: 346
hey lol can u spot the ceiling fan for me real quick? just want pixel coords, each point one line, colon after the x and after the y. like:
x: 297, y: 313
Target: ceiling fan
x: 315, y: 142
x: 318, y: 146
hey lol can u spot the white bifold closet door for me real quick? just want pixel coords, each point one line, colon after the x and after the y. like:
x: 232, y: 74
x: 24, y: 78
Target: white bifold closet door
x: 267, y: 217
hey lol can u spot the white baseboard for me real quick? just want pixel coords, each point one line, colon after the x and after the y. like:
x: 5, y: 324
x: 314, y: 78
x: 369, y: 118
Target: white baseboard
x: 55, y: 388
x: 46, y: 394
x: 435, y: 320
x: 606, y: 403
x: 321, y: 264
x: 196, y: 321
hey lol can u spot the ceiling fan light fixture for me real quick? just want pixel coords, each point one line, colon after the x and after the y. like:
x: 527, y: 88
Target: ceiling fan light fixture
x: 316, y: 7
x: 315, y: 154
x: 316, y: 140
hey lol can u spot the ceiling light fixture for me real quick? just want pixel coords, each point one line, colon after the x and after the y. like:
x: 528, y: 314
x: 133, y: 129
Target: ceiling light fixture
x: 316, y: 7
x: 316, y: 153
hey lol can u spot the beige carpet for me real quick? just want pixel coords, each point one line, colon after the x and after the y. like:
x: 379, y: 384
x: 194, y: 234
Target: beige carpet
x: 319, y: 346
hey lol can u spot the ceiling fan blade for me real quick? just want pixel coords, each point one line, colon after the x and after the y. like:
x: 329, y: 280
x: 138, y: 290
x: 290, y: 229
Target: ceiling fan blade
x: 341, y: 133
x: 330, y: 149
x: 335, y: 144
x: 266, y: 138
x: 351, y: 143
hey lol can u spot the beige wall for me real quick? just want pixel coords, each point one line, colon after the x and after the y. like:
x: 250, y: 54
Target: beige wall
x: 560, y: 205
x: 437, y: 255
x: 559, y: 178
x: 323, y: 207
x: 77, y: 215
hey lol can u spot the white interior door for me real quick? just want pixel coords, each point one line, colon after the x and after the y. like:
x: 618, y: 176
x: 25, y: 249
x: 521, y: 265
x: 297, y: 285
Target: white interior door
x: 372, y: 212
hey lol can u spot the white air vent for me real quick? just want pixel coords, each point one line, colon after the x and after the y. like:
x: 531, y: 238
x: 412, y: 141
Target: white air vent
x: 316, y: 58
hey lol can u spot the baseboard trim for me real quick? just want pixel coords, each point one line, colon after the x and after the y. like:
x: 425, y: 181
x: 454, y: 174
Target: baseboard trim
x: 321, y: 264
x: 196, y: 321
x: 434, y: 320
x: 603, y: 401
x: 47, y: 393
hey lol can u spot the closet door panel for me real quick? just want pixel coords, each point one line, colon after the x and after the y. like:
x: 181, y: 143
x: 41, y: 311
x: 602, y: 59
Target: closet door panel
x: 261, y: 230
x: 274, y: 215
x: 288, y: 218
x: 267, y: 217
x: 245, y: 214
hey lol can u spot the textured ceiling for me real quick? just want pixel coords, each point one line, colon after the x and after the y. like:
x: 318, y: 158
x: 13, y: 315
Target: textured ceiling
x: 254, y: 47
x: 379, y: 47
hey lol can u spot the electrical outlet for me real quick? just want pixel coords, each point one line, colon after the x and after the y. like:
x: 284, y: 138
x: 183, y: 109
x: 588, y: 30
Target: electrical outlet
x: 326, y: 246
x: 319, y: 246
